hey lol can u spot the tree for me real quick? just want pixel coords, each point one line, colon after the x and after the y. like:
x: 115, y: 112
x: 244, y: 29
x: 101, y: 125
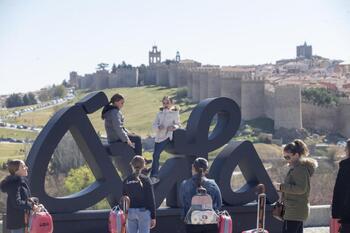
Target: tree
x: 58, y: 91
x: 114, y: 69
x: 44, y: 95
x: 25, y: 100
x: 123, y: 65
x: 65, y: 83
x: 14, y: 100
x: 102, y: 66
x: 32, y: 99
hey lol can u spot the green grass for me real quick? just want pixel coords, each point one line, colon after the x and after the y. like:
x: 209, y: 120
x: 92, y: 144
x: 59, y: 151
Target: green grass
x: 12, y: 151
x: 18, y: 134
x: 141, y: 106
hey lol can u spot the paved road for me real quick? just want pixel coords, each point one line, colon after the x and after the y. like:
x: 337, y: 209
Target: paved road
x: 317, y: 230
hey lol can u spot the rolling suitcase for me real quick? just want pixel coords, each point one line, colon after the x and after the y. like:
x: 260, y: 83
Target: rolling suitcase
x: 118, y: 216
x: 225, y: 222
x: 334, y: 226
x: 260, y: 222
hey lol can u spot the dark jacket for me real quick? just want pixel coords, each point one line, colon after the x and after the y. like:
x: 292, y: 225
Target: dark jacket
x: 18, y: 192
x: 189, y: 189
x: 140, y: 192
x: 341, y: 193
x: 114, y: 124
x: 296, y: 190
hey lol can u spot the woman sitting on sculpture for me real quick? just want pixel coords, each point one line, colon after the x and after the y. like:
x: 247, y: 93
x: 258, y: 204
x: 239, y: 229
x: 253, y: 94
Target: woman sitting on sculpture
x: 114, y: 125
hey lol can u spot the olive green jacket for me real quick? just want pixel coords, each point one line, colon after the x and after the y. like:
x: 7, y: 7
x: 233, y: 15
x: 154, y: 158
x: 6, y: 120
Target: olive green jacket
x: 296, y: 190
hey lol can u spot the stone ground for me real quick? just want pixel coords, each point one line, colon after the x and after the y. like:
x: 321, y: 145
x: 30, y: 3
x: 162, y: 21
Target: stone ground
x: 316, y: 230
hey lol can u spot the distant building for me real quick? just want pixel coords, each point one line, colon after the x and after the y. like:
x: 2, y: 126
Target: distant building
x: 154, y: 56
x: 304, y: 51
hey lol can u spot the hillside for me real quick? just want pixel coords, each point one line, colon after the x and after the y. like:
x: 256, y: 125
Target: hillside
x: 142, y: 104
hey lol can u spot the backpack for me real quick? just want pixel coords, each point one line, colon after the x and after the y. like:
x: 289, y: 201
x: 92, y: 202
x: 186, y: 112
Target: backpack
x: 201, y: 211
x: 40, y: 222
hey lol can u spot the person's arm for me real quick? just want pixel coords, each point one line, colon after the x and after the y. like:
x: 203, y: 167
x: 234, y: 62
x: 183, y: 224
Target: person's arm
x: 177, y: 123
x: 17, y: 201
x: 339, y: 192
x: 218, y: 198
x: 156, y: 123
x: 301, y: 177
x: 117, y: 126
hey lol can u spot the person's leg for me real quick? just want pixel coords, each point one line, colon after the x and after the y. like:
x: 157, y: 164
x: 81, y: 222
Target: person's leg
x: 158, y: 149
x: 345, y: 228
x: 292, y: 226
x: 20, y: 230
x: 301, y: 228
x: 138, y: 145
x: 144, y: 221
x: 132, y: 223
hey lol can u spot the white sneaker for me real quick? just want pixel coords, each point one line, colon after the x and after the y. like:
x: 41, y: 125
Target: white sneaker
x: 154, y: 180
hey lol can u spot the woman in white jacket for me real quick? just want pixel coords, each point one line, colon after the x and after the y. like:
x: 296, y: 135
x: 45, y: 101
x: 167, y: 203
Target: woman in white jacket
x: 166, y: 122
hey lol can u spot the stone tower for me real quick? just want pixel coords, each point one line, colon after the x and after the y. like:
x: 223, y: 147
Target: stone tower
x: 154, y: 56
x: 177, y: 58
x: 253, y: 95
x: 304, y: 51
x: 288, y: 107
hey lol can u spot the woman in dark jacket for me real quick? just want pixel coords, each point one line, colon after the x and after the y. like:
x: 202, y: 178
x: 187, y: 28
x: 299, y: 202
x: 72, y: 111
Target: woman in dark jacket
x: 142, y: 211
x: 18, y: 194
x: 341, y: 193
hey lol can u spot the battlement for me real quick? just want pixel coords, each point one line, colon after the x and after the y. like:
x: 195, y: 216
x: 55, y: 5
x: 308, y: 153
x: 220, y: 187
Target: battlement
x: 253, y: 78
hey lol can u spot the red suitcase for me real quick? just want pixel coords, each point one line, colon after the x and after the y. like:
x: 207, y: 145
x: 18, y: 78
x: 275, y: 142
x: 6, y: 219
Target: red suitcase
x: 40, y: 222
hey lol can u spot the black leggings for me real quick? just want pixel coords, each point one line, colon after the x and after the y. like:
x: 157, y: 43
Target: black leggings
x: 138, y: 145
x: 209, y: 228
x: 292, y: 226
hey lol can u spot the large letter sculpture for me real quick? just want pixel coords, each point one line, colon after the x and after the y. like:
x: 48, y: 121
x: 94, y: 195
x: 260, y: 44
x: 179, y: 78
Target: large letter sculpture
x: 187, y: 144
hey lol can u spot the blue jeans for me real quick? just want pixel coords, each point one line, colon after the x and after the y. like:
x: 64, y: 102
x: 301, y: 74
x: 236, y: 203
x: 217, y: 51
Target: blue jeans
x: 158, y: 149
x: 20, y: 230
x: 139, y: 220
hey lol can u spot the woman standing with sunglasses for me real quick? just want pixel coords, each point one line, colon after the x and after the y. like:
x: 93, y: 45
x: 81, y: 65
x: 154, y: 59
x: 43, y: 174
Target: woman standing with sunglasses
x: 296, y: 187
x: 166, y: 122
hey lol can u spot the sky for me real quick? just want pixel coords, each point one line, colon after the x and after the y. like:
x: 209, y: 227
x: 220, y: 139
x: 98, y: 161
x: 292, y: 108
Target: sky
x: 42, y: 41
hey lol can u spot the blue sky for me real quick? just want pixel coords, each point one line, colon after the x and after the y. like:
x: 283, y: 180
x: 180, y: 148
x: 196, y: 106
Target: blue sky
x: 41, y: 41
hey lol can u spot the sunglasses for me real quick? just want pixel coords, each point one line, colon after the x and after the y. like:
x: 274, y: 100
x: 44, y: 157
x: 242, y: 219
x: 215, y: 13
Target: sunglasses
x: 287, y: 157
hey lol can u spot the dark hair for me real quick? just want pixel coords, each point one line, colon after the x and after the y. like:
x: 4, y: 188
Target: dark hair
x: 298, y: 146
x: 200, y: 165
x: 138, y: 163
x: 348, y: 147
x: 115, y: 98
x: 13, y: 166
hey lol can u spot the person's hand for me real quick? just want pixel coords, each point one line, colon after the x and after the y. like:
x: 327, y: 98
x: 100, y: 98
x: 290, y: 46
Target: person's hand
x: 277, y: 186
x: 153, y: 223
x: 35, y: 208
x: 130, y: 143
x: 171, y: 128
x: 161, y: 127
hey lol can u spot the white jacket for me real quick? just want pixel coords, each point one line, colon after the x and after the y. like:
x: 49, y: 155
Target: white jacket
x: 166, y: 118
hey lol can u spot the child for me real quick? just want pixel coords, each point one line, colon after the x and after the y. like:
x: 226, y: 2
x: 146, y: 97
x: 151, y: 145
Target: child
x: 142, y: 211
